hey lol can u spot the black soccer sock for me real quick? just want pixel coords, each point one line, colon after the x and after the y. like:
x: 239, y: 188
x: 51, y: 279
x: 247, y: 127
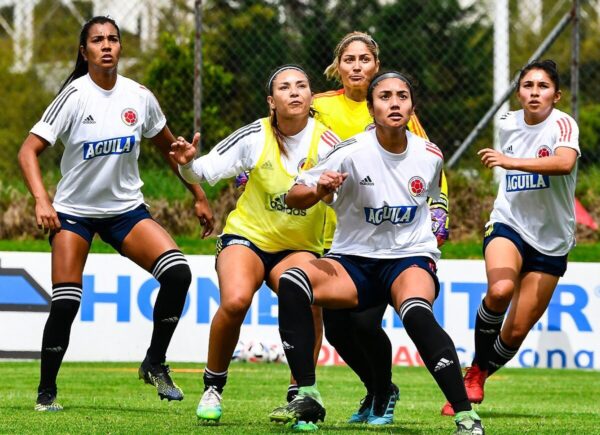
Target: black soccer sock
x: 376, y: 346
x: 340, y: 332
x: 487, y: 329
x: 292, y: 392
x: 214, y: 379
x: 66, y: 298
x: 171, y: 270
x: 296, y: 325
x: 500, y: 354
x: 436, y: 349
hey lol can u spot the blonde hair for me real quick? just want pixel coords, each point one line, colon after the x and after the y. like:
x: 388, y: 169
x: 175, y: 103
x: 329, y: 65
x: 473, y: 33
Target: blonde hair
x: 332, y: 71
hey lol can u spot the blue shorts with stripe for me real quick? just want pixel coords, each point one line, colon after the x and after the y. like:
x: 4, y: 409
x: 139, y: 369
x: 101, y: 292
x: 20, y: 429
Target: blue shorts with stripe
x: 533, y: 260
x: 373, y: 277
x: 112, y: 230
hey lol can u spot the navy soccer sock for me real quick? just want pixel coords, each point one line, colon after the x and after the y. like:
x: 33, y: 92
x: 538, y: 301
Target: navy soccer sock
x: 500, y: 354
x: 436, y: 349
x: 296, y: 325
x: 66, y: 298
x: 171, y: 270
x: 487, y: 329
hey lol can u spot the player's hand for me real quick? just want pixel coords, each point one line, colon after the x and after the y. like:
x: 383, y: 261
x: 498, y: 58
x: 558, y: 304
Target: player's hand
x: 492, y: 158
x: 205, y: 216
x: 184, y: 152
x: 329, y: 182
x: 46, y: 217
x: 439, y: 225
x: 241, y: 180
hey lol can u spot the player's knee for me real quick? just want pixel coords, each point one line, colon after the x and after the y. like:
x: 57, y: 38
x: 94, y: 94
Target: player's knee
x: 499, y: 294
x: 236, y: 306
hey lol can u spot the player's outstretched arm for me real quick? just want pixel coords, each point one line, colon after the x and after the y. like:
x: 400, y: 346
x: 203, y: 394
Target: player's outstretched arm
x: 561, y: 163
x: 302, y: 197
x: 165, y: 141
x: 45, y: 215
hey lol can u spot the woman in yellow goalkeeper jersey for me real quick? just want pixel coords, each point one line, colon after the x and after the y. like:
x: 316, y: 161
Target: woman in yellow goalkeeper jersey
x: 262, y: 237
x: 359, y: 337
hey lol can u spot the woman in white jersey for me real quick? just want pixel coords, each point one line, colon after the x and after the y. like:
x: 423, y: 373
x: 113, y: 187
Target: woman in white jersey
x: 383, y: 250
x: 532, y: 226
x: 358, y: 337
x: 100, y: 117
x: 262, y: 236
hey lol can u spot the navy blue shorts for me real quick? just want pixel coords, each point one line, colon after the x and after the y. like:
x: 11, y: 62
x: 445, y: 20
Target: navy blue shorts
x: 269, y: 259
x: 533, y: 260
x: 373, y: 277
x: 112, y: 230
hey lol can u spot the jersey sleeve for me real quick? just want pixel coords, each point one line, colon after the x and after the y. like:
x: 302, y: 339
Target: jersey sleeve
x: 414, y: 126
x: 59, y: 115
x: 327, y: 142
x: 155, y: 119
x: 567, y: 134
x: 237, y: 153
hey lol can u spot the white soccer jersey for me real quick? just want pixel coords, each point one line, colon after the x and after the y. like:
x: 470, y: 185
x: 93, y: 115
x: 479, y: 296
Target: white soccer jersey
x: 241, y: 150
x: 541, y: 208
x: 382, y: 206
x: 101, y: 131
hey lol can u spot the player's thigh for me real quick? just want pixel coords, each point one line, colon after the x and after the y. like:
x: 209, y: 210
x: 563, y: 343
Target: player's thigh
x: 331, y: 284
x: 413, y: 282
x: 69, y: 254
x: 503, y: 263
x: 147, y: 241
x: 240, y: 272
x: 294, y: 259
x: 530, y: 301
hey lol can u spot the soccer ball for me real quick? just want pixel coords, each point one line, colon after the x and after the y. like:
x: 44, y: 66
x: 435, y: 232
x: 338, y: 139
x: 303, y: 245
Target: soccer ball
x: 257, y: 352
x: 276, y: 354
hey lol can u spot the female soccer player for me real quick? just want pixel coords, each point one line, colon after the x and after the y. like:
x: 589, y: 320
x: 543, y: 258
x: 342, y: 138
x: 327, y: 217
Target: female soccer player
x: 262, y: 236
x: 358, y: 336
x: 383, y: 250
x: 101, y: 116
x: 532, y: 226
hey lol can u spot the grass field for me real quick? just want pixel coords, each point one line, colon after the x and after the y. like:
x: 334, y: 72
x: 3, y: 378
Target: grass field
x: 108, y: 398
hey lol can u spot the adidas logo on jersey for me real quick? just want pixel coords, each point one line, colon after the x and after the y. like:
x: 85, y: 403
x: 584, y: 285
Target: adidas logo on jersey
x: 89, y: 120
x: 508, y: 150
x: 442, y: 364
x: 367, y: 181
x: 267, y: 165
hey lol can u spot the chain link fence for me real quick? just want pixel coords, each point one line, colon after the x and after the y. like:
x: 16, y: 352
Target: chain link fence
x: 447, y: 46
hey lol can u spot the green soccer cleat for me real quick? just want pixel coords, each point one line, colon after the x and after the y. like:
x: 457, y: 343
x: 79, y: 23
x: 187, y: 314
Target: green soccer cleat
x: 468, y: 423
x: 46, y: 401
x: 158, y: 375
x: 307, y: 407
x: 209, y: 408
x: 303, y: 426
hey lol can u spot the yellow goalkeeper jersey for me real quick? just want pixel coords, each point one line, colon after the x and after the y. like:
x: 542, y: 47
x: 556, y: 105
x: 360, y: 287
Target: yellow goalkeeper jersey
x: 346, y: 118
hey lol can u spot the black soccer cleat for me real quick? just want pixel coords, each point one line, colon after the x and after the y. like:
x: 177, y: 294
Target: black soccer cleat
x: 158, y: 375
x: 305, y: 407
x: 46, y: 401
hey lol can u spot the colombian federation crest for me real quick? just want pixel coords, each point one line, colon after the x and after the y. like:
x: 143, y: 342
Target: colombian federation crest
x: 543, y: 151
x: 416, y: 186
x: 129, y: 117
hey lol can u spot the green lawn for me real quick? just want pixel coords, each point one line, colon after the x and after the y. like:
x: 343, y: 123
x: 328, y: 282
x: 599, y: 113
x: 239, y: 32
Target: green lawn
x: 108, y: 398
x: 452, y: 250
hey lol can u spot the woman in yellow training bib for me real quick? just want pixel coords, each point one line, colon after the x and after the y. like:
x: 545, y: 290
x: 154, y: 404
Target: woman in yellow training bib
x: 262, y: 236
x: 355, y: 62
